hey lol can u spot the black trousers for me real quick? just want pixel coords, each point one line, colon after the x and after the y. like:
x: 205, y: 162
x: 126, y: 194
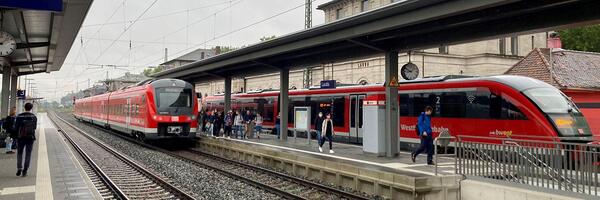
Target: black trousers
x: 329, y: 138
x: 27, y: 146
x: 426, y: 146
x: 227, y: 131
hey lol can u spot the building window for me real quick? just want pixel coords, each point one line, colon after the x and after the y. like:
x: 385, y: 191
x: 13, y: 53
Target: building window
x: 443, y: 49
x: 364, y: 5
x: 201, y: 55
x: 339, y: 13
x: 502, y: 46
x: 514, y: 45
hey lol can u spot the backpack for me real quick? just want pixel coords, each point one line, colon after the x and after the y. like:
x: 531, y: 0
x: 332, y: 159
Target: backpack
x: 27, y: 129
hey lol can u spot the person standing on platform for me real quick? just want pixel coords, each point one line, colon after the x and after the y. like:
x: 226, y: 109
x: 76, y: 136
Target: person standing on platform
x: 258, y: 125
x: 327, y: 128
x: 248, y: 122
x: 424, y: 126
x: 203, y: 120
x: 237, y: 124
x: 278, y: 126
x: 319, y: 127
x: 218, y: 123
x: 228, y: 124
x: 8, y: 126
x: 25, y: 125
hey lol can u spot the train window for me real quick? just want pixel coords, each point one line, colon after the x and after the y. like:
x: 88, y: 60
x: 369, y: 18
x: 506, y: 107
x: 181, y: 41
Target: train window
x: 339, y: 111
x: 477, y: 104
x: 353, y: 111
x: 405, y: 105
x: 501, y: 108
x: 360, y: 111
x: 453, y: 104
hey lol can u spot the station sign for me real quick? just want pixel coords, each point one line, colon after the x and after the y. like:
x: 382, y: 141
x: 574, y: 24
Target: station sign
x: 20, y: 94
x: 328, y: 84
x: 48, y: 5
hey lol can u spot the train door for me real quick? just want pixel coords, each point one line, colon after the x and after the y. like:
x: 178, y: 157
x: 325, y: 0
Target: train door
x: 356, y: 117
x: 128, y: 113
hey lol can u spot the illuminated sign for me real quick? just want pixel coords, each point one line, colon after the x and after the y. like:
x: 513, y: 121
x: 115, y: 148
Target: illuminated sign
x: 327, y: 84
x: 49, y: 5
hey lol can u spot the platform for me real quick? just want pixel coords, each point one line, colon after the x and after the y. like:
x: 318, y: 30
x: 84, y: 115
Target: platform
x: 54, y: 172
x: 396, y: 178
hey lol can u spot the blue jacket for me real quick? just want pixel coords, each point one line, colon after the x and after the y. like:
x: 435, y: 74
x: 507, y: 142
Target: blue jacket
x: 424, y: 124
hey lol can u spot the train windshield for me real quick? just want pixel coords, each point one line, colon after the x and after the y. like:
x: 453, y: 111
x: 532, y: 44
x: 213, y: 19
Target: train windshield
x: 174, y: 97
x: 551, y: 101
x: 563, y: 113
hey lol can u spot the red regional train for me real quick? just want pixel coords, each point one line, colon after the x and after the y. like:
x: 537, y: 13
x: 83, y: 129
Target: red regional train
x: 153, y: 109
x: 496, y: 106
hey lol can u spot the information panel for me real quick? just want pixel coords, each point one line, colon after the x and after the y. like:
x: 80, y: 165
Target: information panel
x: 302, y: 118
x: 49, y: 5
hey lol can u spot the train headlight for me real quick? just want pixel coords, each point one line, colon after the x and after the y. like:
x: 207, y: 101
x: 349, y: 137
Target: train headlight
x: 154, y: 117
x: 193, y: 117
x: 563, y: 122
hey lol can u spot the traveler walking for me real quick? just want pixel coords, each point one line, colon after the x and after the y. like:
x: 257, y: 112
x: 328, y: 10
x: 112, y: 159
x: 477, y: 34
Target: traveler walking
x: 8, y: 126
x: 319, y: 126
x: 25, y: 125
x: 258, y: 125
x: 228, y: 124
x: 327, y: 128
x: 424, y: 126
x: 237, y: 124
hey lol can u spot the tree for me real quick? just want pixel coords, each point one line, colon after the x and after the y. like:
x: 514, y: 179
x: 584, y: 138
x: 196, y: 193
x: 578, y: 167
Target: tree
x: 582, y: 38
x: 267, y: 38
x: 149, y: 71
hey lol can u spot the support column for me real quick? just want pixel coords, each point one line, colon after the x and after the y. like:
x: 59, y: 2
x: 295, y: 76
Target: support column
x: 391, y: 104
x: 284, y: 82
x: 14, y: 81
x: 6, y: 73
x: 227, y: 94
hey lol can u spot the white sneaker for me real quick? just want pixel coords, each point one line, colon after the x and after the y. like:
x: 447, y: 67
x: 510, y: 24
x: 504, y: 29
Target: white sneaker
x: 331, y: 151
x: 320, y: 149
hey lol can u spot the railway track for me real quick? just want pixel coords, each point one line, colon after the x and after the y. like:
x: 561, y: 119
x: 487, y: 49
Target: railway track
x: 121, y: 177
x: 284, y: 185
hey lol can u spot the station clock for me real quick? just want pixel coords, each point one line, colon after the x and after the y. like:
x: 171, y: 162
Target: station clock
x: 8, y: 44
x: 409, y: 71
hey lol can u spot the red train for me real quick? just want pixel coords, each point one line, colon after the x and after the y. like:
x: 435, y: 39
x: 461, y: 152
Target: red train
x: 154, y: 109
x: 497, y: 106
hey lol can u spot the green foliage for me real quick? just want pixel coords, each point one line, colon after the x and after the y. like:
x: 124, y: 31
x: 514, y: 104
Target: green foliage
x: 152, y: 70
x: 582, y: 38
x: 267, y: 38
x: 225, y: 49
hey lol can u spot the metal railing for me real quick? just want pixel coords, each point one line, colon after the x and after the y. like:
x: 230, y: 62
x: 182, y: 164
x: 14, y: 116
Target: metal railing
x: 563, y: 166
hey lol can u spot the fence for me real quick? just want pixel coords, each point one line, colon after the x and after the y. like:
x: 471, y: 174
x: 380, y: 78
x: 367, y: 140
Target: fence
x: 564, y: 166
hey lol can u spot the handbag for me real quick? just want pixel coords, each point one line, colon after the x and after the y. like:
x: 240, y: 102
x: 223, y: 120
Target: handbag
x: 3, y: 134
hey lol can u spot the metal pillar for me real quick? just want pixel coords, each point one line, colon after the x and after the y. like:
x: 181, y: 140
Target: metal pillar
x: 391, y: 106
x: 14, y: 81
x: 284, y: 82
x: 227, y: 94
x: 6, y: 74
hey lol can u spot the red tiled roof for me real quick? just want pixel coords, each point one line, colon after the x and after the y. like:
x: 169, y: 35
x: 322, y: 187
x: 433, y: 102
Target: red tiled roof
x: 568, y: 69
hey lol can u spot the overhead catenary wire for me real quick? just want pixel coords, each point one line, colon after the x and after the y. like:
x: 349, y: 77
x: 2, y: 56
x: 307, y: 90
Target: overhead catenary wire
x: 124, y: 31
x: 232, y: 32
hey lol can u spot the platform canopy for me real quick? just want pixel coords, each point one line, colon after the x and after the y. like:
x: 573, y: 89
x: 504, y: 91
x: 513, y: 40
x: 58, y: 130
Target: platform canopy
x: 402, y: 26
x: 44, y: 31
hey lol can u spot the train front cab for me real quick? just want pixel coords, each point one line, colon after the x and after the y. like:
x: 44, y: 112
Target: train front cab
x: 174, y: 112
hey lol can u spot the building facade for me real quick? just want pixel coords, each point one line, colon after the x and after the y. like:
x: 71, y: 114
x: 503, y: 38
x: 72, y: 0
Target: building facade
x: 483, y: 58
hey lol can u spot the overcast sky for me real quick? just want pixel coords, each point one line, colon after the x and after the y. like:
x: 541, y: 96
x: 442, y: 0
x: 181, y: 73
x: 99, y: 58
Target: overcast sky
x: 179, y: 25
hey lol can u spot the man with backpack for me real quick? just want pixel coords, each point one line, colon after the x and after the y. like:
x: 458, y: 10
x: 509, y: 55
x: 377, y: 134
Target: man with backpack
x: 25, y: 125
x: 426, y: 135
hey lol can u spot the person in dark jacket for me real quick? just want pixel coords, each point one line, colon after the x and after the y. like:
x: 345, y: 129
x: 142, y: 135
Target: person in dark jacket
x: 278, y: 126
x: 217, y: 124
x: 319, y: 126
x: 426, y: 135
x: 228, y: 120
x: 8, y: 126
x: 25, y: 125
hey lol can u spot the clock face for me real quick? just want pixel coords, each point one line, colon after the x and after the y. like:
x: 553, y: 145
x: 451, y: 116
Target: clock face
x: 8, y: 44
x: 409, y: 71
